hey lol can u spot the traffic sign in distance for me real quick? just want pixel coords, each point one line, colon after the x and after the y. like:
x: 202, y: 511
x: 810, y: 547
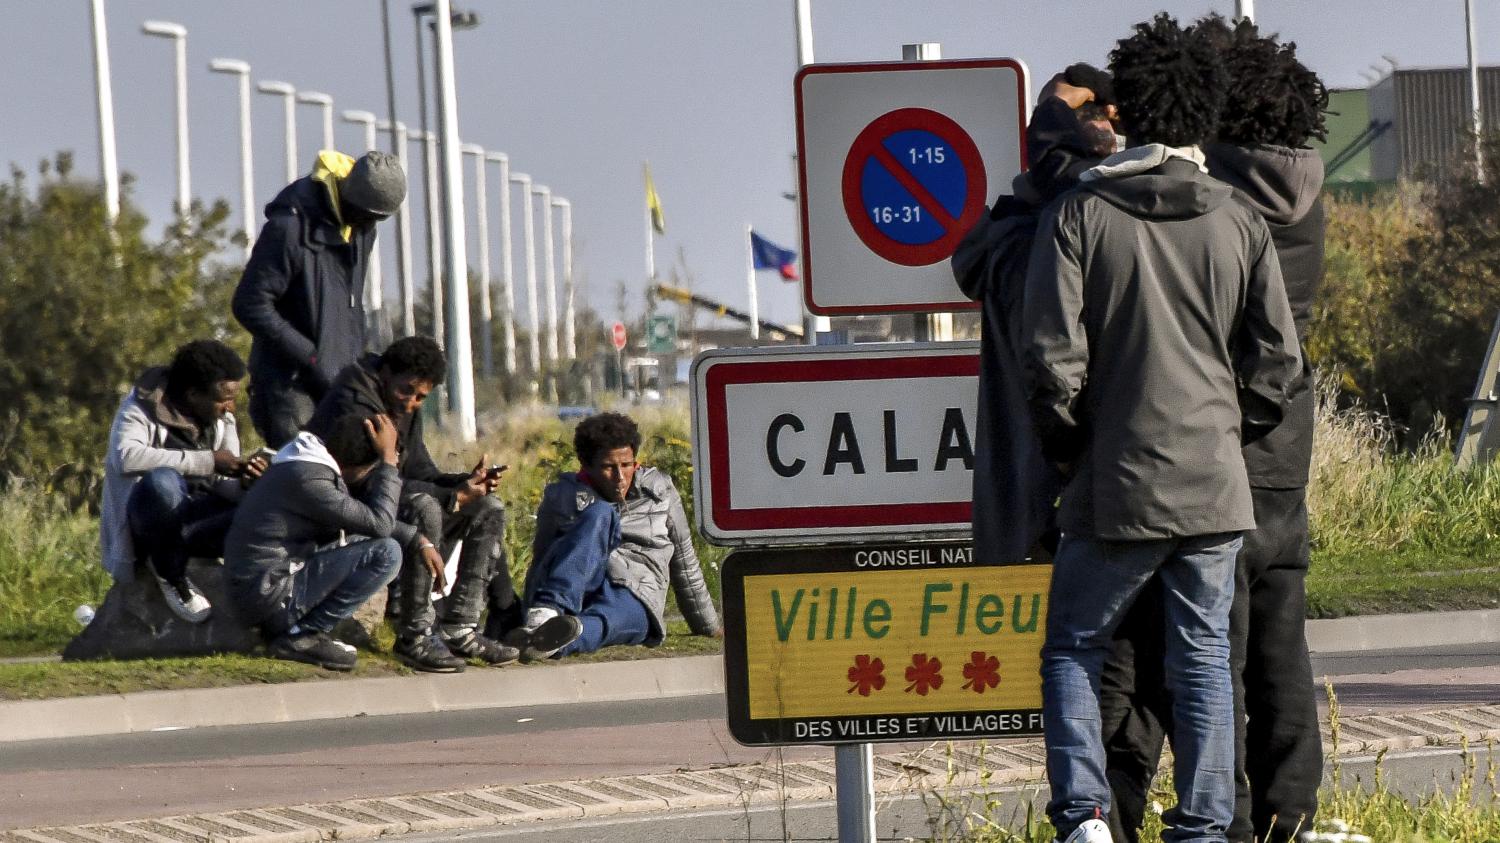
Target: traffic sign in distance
x: 865, y: 443
x: 896, y: 162
x: 661, y: 334
x: 879, y: 643
x: 617, y: 336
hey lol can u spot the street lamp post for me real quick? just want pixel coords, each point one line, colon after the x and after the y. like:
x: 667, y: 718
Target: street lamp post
x: 482, y: 221
x: 234, y: 67
x: 569, y: 337
x: 403, y: 234
x: 326, y: 103
x: 375, y: 288
x: 434, y: 247
x: 549, y: 273
x: 288, y: 96
x: 507, y: 274
x: 460, y: 355
x: 178, y: 33
x: 109, y: 170
x: 1476, y: 114
x: 528, y: 236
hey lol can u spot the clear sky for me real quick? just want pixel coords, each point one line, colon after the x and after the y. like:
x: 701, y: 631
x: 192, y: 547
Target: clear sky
x: 580, y: 92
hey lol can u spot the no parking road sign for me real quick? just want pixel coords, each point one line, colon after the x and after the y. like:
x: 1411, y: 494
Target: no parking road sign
x: 897, y: 162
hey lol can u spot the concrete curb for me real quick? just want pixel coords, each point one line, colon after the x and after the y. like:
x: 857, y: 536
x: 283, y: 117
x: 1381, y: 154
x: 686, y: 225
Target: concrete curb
x: 551, y: 684
x: 643, y: 679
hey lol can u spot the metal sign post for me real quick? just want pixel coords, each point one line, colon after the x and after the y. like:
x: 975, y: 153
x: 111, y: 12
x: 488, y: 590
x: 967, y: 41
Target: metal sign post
x: 854, y: 791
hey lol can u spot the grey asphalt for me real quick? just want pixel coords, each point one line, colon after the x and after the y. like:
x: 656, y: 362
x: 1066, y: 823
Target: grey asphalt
x: 152, y: 774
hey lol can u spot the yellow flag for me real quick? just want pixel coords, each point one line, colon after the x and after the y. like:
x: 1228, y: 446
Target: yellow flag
x: 653, y: 204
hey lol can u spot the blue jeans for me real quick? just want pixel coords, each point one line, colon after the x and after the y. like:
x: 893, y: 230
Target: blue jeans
x: 1094, y: 584
x: 337, y: 581
x: 574, y: 578
x: 169, y: 524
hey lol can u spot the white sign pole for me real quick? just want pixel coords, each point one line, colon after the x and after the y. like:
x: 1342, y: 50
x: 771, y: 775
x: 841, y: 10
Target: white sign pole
x: 750, y: 283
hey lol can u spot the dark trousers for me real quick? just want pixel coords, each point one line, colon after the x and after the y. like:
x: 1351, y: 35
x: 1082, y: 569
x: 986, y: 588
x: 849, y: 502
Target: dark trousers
x: 574, y: 578
x: 482, y: 567
x: 1275, y: 703
x: 170, y: 524
x: 278, y: 411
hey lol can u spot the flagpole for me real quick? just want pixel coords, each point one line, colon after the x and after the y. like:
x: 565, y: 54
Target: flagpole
x: 650, y: 229
x: 750, y: 279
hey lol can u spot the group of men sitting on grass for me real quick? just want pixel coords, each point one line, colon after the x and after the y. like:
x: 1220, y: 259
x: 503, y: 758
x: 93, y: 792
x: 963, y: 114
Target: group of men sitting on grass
x: 354, y: 502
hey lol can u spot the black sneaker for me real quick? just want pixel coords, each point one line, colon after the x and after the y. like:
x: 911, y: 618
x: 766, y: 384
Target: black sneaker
x: 553, y: 635
x: 472, y: 645
x: 313, y: 648
x: 428, y: 653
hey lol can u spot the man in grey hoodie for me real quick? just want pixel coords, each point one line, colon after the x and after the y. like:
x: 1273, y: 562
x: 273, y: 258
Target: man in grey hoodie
x: 304, y: 553
x: 1273, y: 109
x: 173, y: 472
x: 1156, y: 337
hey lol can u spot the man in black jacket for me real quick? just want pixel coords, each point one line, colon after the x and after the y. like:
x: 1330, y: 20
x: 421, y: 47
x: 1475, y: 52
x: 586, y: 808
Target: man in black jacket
x: 1274, y: 107
x: 302, y: 293
x: 293, y: 568
x: 1015, y: 489
x: 451, y: 508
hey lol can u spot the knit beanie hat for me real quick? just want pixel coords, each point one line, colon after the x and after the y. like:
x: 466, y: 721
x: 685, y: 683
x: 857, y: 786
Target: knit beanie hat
x: 376, y: 183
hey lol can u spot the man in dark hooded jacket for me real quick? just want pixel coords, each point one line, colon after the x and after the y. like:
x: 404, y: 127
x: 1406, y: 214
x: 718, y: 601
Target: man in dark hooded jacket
x: 1275, y: 105
x: 302, y: 293
x: 1015, y: 489
x: 449, y: 507
x: 1157, y: 337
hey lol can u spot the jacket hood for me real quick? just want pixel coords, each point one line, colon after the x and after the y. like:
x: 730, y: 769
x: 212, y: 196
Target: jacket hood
x: 317, y: 196
x: 151, y: 392
x: 306, y: 447
x: 1280, y: 182
x: 1174, y: 190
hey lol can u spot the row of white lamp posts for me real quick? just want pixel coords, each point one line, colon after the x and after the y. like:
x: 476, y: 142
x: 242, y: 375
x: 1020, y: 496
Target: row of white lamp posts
x: 537, y: 352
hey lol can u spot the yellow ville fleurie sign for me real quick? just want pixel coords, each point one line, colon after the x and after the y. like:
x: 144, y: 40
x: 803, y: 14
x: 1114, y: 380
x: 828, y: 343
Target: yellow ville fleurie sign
x: 881, y: 643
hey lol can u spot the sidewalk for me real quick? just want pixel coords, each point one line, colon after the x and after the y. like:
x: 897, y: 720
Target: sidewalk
x: 646, y: 679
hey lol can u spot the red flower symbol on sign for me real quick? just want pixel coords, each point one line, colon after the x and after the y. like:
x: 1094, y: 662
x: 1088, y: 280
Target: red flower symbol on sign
x: 982, y: 671
x: 867, y: 674
x: 925, y: 674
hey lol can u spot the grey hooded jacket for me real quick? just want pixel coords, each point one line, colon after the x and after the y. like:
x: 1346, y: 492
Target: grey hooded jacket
x: 656, y: 546
x: 1157, y: 340
x: 1285, y: 186
x: 299, y: 505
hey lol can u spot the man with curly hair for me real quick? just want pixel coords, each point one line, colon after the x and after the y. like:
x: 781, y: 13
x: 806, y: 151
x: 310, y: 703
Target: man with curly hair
x: 609, y: 539
x: 1156, y: 337
x: 1274, y: 107
x: 445, y: 508
x: 173, y: 472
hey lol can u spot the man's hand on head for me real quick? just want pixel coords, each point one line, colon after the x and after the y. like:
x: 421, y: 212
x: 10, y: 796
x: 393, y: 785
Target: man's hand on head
x: 1058, y: 86
x: 382, y: 434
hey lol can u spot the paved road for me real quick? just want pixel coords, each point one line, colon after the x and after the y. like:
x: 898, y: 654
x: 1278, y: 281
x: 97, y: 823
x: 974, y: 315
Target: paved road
x: 1413, y: 773
x: 92, y: 779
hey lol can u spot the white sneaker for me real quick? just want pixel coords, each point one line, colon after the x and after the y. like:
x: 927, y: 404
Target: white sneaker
x: 538, y: 615
x: 185, y: 600
x: 1092, y: 831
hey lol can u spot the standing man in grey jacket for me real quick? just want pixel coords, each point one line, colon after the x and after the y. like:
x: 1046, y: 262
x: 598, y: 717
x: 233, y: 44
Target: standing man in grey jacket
x: 609, y: 539
x: 1273, y: 110
x: 304, y: 553
x: 173, y: 472
x: 1157, y: 337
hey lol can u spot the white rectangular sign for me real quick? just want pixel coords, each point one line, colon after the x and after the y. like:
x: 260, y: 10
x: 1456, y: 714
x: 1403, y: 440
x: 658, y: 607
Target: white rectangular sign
x: 856, y: 443
x: 896, y: 163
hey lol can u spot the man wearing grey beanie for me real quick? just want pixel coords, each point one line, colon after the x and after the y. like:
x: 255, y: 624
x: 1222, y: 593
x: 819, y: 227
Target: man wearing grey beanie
x: 301, y: 296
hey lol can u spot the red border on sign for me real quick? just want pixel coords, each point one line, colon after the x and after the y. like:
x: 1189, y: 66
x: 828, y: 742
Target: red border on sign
x: 867, y: 67
x: 722, y: 375
x: 870, y: 142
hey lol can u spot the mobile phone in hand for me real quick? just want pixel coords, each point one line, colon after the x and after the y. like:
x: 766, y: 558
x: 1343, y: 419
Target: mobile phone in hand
x: 494, y: 471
